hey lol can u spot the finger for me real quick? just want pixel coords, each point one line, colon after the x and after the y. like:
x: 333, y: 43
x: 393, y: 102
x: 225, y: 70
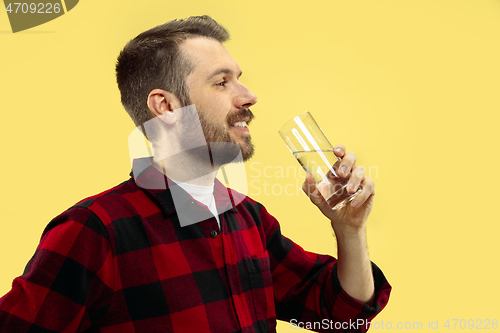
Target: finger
x: 347, y: 164
x: 368, y: 190
x: 339, y: 150
x: 306, y: 186
x: 357, y: 175
x: 309, y: 187
x: 311, y: 190
x: 332, y: 173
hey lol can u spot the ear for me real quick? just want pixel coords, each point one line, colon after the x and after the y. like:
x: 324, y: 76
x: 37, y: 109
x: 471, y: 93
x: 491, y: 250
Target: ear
x: 163, y: 103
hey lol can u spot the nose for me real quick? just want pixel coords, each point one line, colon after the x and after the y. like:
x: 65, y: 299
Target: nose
x: 245, y: 97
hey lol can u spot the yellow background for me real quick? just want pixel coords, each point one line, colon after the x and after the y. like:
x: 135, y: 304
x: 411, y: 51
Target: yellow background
x: 412, y: 87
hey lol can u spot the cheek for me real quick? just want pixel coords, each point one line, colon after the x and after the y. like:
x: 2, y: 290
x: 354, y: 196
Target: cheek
x: 216, y: 109
x: 214, y: 104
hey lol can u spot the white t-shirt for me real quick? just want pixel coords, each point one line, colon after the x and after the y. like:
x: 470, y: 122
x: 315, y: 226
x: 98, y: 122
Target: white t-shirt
x: 203, y: 194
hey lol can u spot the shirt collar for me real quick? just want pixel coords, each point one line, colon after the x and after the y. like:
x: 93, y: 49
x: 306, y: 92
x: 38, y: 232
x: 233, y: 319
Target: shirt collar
x: 159, y: 186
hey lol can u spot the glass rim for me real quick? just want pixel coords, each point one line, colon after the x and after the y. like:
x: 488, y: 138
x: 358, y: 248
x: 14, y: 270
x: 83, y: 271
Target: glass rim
x: 302, y: 116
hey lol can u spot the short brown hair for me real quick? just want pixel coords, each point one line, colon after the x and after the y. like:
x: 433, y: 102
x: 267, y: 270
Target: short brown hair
x: 153, y: 60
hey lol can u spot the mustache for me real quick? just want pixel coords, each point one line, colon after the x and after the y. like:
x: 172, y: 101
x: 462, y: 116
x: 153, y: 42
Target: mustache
x: 243, y: 112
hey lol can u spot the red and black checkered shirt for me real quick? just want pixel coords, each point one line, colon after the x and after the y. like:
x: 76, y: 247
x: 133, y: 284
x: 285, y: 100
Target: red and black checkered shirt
x: 120, y: 262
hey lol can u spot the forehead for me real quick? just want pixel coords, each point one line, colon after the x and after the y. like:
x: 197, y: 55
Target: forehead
x: 208, y: 55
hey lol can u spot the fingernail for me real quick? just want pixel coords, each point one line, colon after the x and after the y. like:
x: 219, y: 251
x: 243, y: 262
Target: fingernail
x: 351, y: 186
x: 355, y: 203
x: 343, y: 170
x: 338, y: 150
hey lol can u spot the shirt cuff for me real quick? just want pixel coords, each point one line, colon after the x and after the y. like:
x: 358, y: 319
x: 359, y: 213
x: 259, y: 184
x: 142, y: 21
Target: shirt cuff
x: 382, y: 291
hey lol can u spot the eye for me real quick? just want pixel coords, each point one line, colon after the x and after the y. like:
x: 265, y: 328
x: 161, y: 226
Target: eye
x: 222, y: 83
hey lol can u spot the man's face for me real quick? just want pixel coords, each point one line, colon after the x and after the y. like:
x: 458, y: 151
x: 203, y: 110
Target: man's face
x: 221, y: 100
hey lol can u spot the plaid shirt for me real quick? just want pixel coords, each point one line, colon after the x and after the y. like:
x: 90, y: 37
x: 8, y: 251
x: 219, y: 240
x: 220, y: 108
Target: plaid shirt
x: 120, y: 262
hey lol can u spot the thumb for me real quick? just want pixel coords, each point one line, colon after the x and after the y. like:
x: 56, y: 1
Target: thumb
x: 311, y: 190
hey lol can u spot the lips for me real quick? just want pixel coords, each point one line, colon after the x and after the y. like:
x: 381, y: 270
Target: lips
x: 240, y: 124
x: 240, y: 118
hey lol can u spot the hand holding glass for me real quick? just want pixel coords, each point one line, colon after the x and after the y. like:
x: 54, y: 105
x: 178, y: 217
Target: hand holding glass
x: 311, y: 148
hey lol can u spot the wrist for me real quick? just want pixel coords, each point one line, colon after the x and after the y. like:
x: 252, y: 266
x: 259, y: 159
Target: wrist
x: 349, y: 232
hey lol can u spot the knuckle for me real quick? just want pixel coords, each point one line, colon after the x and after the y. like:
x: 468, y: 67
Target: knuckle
x: 359, y: 172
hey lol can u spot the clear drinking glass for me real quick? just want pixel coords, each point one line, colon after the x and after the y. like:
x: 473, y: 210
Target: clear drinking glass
x: 311, y: 148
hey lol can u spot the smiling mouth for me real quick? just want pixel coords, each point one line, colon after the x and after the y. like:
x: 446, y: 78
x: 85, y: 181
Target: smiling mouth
x: 239, y: 120
x: 240, y: 124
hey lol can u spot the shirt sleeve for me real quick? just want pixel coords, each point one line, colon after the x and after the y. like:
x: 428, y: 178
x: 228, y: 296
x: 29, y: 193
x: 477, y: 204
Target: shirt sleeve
x: 67, y: 285
x: 307, y: 292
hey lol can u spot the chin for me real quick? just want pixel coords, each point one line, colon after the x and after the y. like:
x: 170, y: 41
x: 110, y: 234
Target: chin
x: 247, y: 152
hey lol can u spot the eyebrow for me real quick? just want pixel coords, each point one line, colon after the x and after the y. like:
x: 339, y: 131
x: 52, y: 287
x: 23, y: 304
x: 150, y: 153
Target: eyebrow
x: 222, y: 71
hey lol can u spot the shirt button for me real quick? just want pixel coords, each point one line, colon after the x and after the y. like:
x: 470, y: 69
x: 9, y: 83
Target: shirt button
x: 213, y: 234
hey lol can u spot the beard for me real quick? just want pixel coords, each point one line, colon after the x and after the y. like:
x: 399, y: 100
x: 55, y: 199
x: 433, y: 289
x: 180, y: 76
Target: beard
x: 223, y: 148
x: 219, y: 132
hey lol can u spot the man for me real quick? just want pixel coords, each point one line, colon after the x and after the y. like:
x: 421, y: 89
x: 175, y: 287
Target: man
x: 124, y: 260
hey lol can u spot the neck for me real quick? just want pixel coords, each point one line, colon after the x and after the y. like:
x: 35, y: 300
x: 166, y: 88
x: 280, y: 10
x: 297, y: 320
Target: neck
x: 188, y: 167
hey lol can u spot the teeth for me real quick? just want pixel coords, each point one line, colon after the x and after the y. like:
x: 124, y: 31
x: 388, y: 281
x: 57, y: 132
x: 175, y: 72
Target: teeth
x: 240, y: 124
